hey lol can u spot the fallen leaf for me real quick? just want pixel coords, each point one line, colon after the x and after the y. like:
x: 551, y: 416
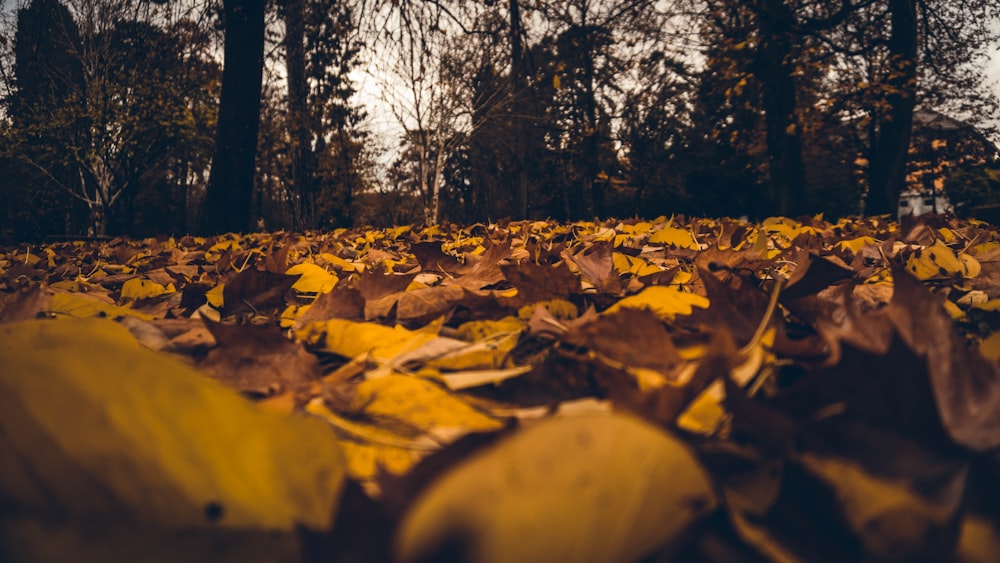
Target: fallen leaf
x: 97, y: 429
x: 258, y: 360
x: 674, y: 236
x: 666, y: 301
x: 313, y: 279
x: 256, y: 291
x: 585, y: 488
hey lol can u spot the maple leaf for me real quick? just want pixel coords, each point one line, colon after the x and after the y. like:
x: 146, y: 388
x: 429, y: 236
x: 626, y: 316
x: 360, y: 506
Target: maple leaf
x: 257, y: 291
x: 258, y: 360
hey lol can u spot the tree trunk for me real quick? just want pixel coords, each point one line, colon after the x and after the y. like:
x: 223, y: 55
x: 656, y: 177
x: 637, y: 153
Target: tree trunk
x: 784, y: 137
x: 887, y: 171
x: 593, y: 191
x: 229, y: 197
x: 425, y: 195
x: 520, y: 112
x: 438, y: 179
x: 301, y: 176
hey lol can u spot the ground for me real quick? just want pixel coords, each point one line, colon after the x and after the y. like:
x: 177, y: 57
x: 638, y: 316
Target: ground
x: 691, y: 388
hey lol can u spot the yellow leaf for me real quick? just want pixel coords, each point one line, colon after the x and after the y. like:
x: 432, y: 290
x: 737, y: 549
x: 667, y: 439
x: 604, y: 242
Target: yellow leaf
x: 970, y: 266
x: 666, y: 301
x: 933, y: 262
x: 622, y: 262
x: 856, y: 244
x: 339, y: 263
x: 705, y: 414
x: 98, y: 428
x: 991, y: 305
x: 990, y: 347
x: 474, y: 331
x: 634, y: 265
x: 214, y: 296
x: 217, y: 249
x: 292, y: 314
x: 984, y: 247
x: 28, y: 258
x: 351, y: 339
x: 82, y: 306
x: 486, y: 354
x: 979, y: 539
x: 640, y: 227
x: 314, y: 279
x: 954, y: 311
x: 137, y: 288
x: 647, y: 379
x: 369, y: 447
x: 599, y: 487
x: 560, y: 309
x: 682, y: 277
x: 420, y: 404
x: 673, y: 236
x: 396, y: 232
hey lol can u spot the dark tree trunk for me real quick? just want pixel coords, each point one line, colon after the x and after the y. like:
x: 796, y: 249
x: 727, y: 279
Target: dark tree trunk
x: 520, y: 113
x: 301, y: 174
x: 784, y: 137
x: 593, y: 191
x: 229, y: 197
x: 887, y: 172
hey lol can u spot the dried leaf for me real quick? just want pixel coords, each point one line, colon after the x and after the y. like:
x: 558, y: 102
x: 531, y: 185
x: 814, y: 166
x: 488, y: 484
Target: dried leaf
x: 587, y: 488
x: 97, y: 429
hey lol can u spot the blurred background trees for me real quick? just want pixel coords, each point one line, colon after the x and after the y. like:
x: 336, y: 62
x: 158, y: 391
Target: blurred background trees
x: 114, y: 117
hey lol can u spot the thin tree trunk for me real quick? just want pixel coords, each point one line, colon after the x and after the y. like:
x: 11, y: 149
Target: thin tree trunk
x: 229, y: 198
x: 593, y: 191
x: 436, y: 184
x: 520, y: 112
x: 888, y: 167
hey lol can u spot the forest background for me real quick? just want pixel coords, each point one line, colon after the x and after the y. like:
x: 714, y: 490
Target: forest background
x: 115, y: 117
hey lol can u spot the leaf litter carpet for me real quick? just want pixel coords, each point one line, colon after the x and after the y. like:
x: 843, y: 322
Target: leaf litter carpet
x: 673, y: 389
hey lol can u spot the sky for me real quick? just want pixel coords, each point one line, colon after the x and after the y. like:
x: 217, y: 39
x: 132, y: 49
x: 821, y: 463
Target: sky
x: 993, y: 71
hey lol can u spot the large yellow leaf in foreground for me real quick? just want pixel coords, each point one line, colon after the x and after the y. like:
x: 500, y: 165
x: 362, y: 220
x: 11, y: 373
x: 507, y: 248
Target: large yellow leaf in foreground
x: 590, y: 488
x: 94, y: 428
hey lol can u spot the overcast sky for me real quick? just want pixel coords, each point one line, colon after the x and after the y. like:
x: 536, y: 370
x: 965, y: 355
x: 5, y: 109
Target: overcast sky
x: 993, y: 71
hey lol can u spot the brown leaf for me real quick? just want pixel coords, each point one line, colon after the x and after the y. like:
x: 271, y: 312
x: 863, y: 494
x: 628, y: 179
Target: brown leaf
x: 258, y: 360
x: 813, y: 274
x: 431, y: 258
x: 542, y: 283
x: 423, y: 305
x: 25, y: 303
x: 374, y: 285
x: 966, y: 386
x: 631, y: 337
x: 255, y: 290
x: 481, y: 271
x: 596, y: 265
x: 736, y: 303
x: 343, y: 302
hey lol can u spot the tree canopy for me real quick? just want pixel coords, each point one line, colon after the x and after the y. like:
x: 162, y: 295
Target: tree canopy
x: 124, y: 117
